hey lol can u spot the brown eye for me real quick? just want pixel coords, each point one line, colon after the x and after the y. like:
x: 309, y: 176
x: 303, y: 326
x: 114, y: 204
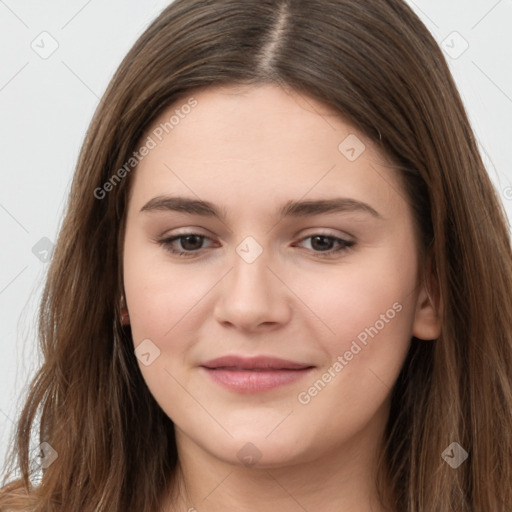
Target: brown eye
x: 326, y: 245
x: 322, y: 243
x: 189, y: 244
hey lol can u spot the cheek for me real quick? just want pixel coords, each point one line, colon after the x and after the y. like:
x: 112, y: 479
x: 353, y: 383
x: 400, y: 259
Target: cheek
x: 161, y: 306
x: 376, y: 291
x: 368, y: 311
x: 158, y: 294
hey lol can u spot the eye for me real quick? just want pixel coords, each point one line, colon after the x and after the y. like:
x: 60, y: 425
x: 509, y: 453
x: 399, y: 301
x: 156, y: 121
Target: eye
x: 190, y: 244
x: 322, y: 244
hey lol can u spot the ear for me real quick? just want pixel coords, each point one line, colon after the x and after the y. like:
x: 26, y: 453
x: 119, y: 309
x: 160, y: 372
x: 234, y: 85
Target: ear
x: 125, y: 317
x: 427, y: 319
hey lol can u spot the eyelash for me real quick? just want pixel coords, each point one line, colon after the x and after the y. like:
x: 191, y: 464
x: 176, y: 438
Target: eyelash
x: 345, y: 245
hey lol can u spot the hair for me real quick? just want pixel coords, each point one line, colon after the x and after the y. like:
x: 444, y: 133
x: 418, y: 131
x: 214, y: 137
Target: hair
x: 377, y: 65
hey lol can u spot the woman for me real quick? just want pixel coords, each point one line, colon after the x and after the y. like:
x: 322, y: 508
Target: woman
x: 339, y: 337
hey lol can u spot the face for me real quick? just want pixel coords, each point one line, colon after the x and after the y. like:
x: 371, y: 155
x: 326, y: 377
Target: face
x: 261, y: 226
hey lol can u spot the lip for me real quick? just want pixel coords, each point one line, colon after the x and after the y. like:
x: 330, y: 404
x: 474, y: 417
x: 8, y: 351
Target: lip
x: 254, y: 374
x: 253, y: 363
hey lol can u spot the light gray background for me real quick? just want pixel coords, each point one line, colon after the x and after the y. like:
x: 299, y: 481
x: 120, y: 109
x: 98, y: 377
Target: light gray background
x: 47, y: 103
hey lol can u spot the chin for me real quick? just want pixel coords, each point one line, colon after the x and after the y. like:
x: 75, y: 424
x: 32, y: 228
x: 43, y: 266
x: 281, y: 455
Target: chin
x: 253, y: 449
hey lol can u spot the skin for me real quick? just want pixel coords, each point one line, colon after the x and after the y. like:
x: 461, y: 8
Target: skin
x: 249, y: 150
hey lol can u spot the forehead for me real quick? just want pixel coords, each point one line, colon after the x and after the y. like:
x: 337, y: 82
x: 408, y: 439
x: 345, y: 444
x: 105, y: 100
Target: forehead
x: 258, y: 143
x: 269, y: 115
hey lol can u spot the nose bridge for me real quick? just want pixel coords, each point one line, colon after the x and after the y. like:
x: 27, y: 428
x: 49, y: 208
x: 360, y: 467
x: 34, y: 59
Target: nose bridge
x: 250, y: 274
x: 251, y: 294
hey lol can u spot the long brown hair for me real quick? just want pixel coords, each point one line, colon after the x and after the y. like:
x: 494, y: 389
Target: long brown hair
x: 378, y: 66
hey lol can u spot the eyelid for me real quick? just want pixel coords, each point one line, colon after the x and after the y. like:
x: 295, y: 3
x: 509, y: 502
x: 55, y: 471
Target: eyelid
x: 344, y: 245
x: 192, y: 230
x: 329, y: 232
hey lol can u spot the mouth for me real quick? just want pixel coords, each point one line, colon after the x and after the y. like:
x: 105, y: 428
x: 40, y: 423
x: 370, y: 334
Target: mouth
x: 255, y: 374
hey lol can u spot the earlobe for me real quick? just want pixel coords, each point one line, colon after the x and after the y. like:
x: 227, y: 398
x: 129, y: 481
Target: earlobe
x: 125, y: 317
x: 427, y: 320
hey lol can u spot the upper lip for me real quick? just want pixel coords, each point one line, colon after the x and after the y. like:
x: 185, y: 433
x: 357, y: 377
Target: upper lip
x: 254, y: 363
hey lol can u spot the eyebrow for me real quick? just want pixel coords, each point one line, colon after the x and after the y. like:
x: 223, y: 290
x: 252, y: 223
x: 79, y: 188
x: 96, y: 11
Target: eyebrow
x: 289, y: 209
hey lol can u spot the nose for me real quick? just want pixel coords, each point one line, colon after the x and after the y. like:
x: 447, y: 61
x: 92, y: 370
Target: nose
x: 252, y: 297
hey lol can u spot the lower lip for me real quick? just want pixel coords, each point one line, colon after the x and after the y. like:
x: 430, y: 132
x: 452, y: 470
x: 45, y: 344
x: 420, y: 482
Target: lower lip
x: 247, y: 381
